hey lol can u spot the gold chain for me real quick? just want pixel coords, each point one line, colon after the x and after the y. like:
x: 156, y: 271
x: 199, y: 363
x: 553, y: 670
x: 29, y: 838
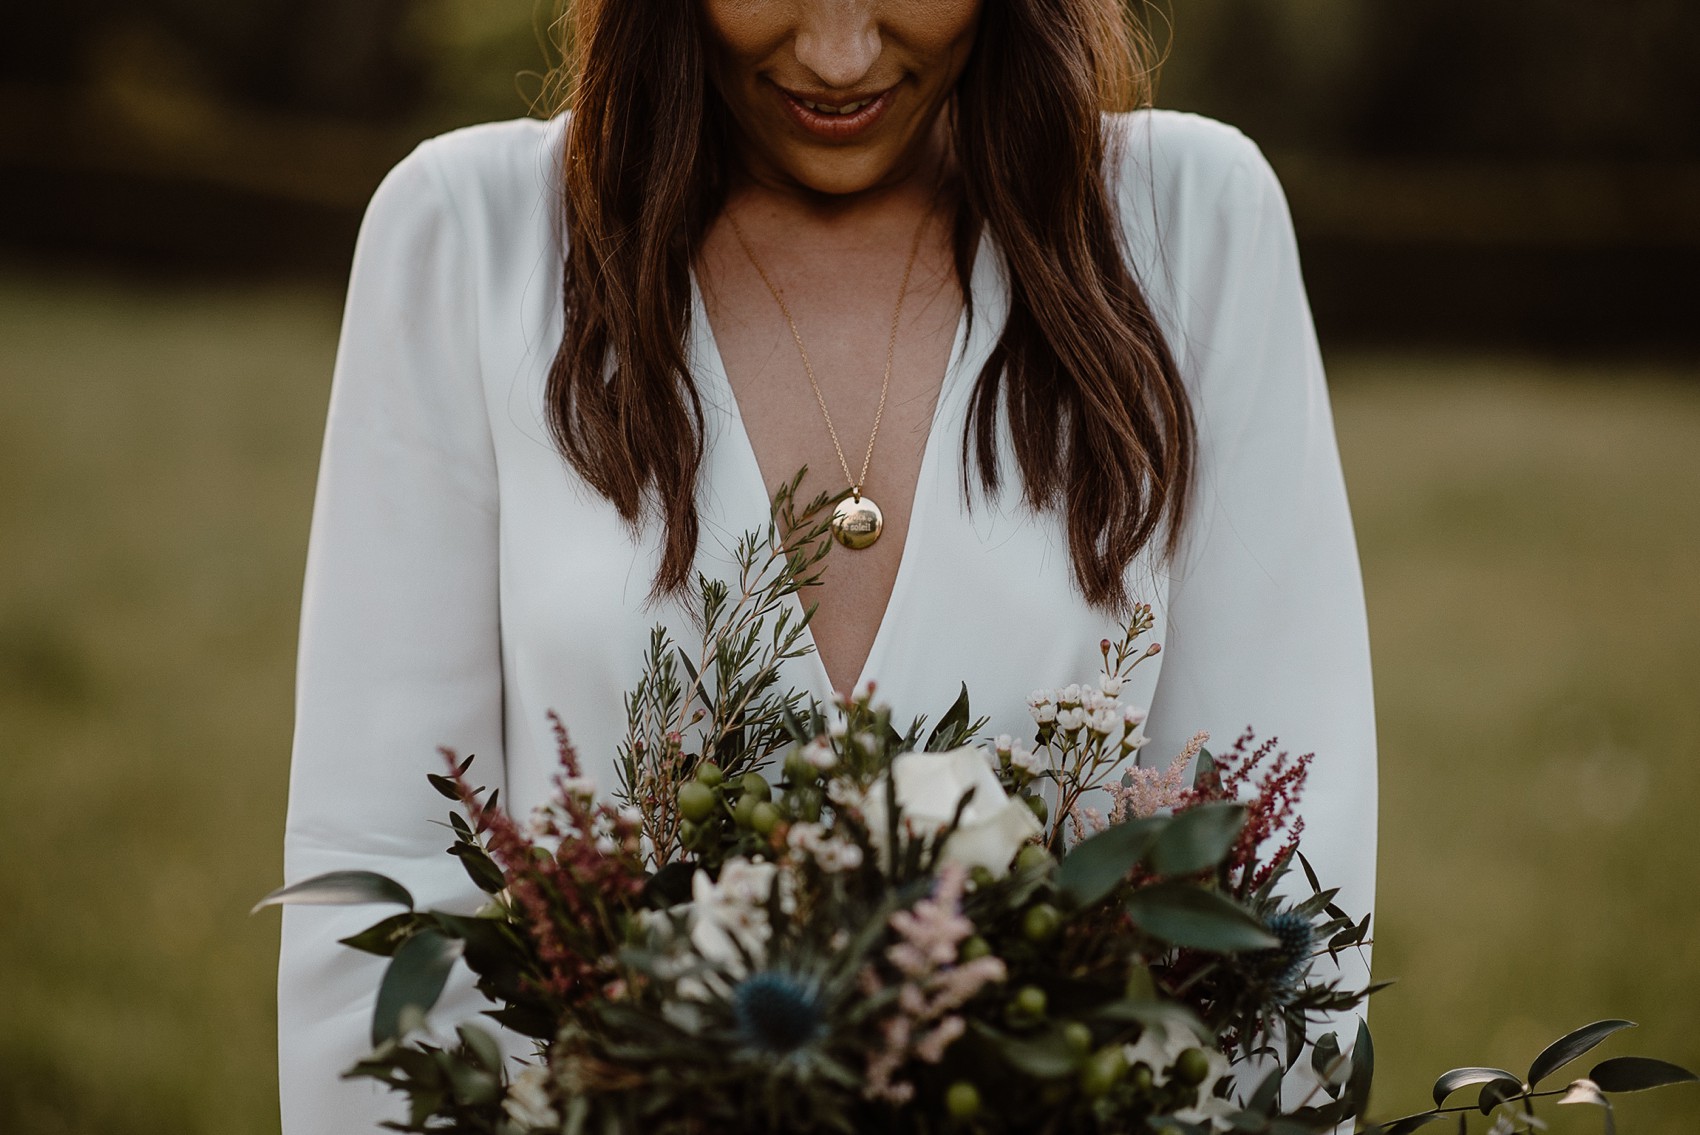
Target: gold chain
x: 856, y: 483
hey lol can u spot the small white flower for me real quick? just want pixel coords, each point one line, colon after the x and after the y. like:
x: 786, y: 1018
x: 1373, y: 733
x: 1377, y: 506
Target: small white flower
x: 1045, y: 713
x: 728, y: 916
x: 1040, y: 697
x: 631, y: 816
x: 1026, y: 760
x: 581, y: 787
x: 1111, y: 684
x: 1103, y: 722
x: 837, y: 728
x: 1069, y: 694
x: 605, y: 845
x: 820, y: 754
x: 1133, y: 715
x: 1004, y: 744
x: 1070, y: 720
x: 842, y: 791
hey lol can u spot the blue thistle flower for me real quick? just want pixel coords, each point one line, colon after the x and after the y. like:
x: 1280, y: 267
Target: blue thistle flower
x: 777, y: 1012
x: 1289, y: 962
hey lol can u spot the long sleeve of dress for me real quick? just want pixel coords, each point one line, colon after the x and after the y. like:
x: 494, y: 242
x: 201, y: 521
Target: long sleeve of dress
x: 1266, y: 611
x: 400, y: 642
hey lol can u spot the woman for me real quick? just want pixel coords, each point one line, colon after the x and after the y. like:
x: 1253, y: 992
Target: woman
x: 1065, y: 352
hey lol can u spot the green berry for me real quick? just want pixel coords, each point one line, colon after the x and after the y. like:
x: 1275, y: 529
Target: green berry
x: 709, y: 773
x: 752, y: 784
x: 1102, y: 1071
x: 974, y: 949
x: 1191, y: 1066
x: 744, y: 811
x: 962, y: 1100
x: 764, y: 817
x: 1033, y: 857
x: 1078, y: 1034
x: 1041, y: 811
x: 981, y: 876
x: 1041, y: 922
x: 1030, y: 1001
x: 697, y: 801
x: 688, y: 832
x: 1143, y: 1080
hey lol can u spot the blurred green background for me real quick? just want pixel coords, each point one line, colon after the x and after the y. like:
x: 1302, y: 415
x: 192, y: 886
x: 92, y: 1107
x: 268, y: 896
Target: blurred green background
x: 1499, y: 205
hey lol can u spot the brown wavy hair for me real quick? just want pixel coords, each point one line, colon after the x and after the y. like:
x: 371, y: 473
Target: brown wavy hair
x: 1101, y: 426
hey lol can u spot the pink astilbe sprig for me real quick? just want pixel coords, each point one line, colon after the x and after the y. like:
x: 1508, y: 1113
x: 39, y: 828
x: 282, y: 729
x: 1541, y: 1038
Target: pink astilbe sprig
x: 1271, y: 804
x: 567, y: 896
x: 1147, y: 791
x: 933, y: 983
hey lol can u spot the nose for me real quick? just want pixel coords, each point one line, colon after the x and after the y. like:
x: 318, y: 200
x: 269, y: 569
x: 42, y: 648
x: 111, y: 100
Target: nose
x: 838, y: 40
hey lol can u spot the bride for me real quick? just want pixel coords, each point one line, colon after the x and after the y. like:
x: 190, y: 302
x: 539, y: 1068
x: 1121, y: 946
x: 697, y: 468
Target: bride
x: 1051, y: 345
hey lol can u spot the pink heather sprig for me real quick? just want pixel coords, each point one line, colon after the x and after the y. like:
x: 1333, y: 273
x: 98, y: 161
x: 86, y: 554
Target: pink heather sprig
x: 1147, y: 791
x: 565, y: 898
x: 935, y: 984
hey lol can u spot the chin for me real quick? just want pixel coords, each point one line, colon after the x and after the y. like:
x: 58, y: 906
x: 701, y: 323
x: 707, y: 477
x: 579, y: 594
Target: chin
x: 839, y: 173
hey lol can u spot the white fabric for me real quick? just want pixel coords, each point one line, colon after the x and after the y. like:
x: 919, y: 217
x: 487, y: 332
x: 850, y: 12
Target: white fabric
x: 461, y: 581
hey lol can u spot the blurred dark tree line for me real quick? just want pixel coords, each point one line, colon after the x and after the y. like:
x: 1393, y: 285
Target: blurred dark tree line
x: 1554, y: 145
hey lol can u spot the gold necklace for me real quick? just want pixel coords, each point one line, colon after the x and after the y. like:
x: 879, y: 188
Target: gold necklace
x: 857, y: 521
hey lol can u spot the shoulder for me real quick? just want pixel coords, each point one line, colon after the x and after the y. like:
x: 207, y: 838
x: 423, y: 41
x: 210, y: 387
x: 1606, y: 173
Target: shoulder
x: 486, y: 180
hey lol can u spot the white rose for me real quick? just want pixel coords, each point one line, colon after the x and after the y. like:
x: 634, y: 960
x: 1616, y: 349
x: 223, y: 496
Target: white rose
x: 528, y: 1103
x: 930, y: 786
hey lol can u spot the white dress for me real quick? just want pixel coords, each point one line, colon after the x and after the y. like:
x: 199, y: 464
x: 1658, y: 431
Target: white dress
x: 461, y: 581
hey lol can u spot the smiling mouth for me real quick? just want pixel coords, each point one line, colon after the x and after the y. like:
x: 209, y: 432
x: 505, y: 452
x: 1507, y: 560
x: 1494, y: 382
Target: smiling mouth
x: 836, y: 120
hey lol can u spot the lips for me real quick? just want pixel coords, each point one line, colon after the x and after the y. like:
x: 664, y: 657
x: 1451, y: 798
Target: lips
x: 836, y: 120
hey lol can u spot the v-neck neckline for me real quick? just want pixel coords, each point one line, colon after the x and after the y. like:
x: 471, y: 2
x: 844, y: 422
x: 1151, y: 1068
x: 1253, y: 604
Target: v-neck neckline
x: 752, y: 483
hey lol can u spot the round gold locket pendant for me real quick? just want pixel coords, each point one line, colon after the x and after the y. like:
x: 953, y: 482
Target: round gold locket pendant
x: 856, y: 522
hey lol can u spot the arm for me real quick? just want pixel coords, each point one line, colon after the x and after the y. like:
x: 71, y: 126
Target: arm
x: 400, y: 642
x: 1266, y: 611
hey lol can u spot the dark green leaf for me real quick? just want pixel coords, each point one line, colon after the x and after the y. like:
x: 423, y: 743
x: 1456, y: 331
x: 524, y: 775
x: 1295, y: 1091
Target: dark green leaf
x: 1450, y: 1082
x: 413, y: 982
x: 1571, y: 1045
x: 1196, y: 839
x: 339, y: 888
x: 382, y: 938
x: 1497, y: 1091
x: 444, y: 786
x: 1047, y: 1056
x: 479, y: 867
x: 954, y: 720
x: 1099, y: 863
x: 669, y: 886
x: 1267, y: 1095
x: 1186, y: 915
x: 1363, y: 1070
x: 1326, y: 1063
x: 482, y: 1046
x: 1637, y: 1074
x: 1406, y: 1124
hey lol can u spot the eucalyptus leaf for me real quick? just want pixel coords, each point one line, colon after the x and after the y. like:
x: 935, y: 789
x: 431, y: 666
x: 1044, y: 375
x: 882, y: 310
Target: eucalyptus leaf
x: 1500, y: 1089
x: 339, y: 888
x: 1363, y: 1069
x: 1571, y: 1045
x: 1450, y: 1082
x: 444, y: 786
x: 1406, y: 1124
x: 1196, y: 839
x: 1099, y: 863
x: 413, y: 982
x: 1325, y: 1061
x: 383, y: 938
x: 1186, y: 915
x: 1638, y: 1074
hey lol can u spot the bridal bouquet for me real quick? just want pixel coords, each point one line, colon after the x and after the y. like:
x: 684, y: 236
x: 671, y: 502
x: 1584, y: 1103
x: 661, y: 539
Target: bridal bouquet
x: 794, y: 918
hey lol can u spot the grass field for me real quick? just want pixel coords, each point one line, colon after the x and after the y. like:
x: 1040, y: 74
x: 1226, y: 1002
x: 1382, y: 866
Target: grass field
x: 1529, y: 534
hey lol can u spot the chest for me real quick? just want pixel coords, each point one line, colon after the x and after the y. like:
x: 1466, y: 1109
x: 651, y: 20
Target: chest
x: 840, y: 374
